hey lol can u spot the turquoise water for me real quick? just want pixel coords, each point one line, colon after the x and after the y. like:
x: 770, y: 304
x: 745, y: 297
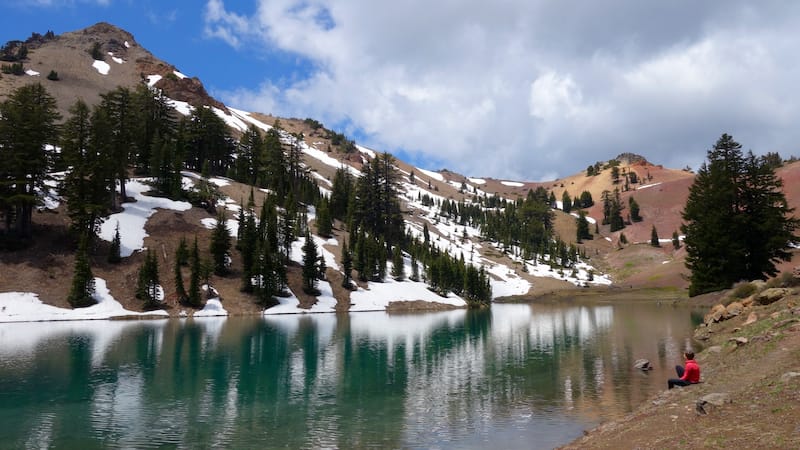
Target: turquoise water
x: 518, y: 376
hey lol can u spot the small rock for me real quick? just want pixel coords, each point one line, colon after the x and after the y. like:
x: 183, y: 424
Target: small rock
x: 751, y: 318
x: 789, y: 376
x: 739, y: 340
x: 642, y: 364
x: 748, y: 302
x: 708, y: 402
x: 783, y: 323
x: 715, y: 349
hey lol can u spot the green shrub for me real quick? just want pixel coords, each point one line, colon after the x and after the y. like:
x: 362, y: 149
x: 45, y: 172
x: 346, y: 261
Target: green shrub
x: 743, y: 289
x: 52, y: 76
x: 785, y: 279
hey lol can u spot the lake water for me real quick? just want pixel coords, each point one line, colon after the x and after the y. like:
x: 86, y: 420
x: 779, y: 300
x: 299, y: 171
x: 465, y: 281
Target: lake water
x: 518, y: 376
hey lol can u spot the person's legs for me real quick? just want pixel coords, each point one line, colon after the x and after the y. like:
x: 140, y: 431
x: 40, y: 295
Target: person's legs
x: 672, y: 382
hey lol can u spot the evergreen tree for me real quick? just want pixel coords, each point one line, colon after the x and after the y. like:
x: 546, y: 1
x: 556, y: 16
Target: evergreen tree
x: 118, y: 107
x: 737, y: 223
x: 676, y: 240
x: 654, y: 237
x: 182, y: 252
x: 148, y: 287
x: 324, y: 227
x: 566, y: 202
x: 220, y: 245
x: 115, y: 248
x: 82, y: 291
x: 310, y: 266
x: 414, y: 268
x: 398, y: 268
x: 582, y: 227
x: 194, y: 296
x: 586, y: 200
x: 634, y: 208
x: 347, y: 266
x: 28, y: 123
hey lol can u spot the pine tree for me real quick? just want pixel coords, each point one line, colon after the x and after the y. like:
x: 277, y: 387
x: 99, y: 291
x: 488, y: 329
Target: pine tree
x: 310, y: 266
x: 324, y: 227
x: 347, y: 266
x: 654, y: 237
x: 737, y: 223
x: 676, y: 240
x: 114, y: 255
x: 634, y: 208
x: 582, y: 227
x: 148, y: 286
x: 194, y: 297
x: 82, y: 291
x: 182, y: 252
x: 28, y: 123
x: 566, y: 202
x: 414, y: 268
x: 220, y: 245
x: 398, y: 268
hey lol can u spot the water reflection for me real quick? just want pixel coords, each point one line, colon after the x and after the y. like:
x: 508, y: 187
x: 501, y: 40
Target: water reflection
x: 518, y: 376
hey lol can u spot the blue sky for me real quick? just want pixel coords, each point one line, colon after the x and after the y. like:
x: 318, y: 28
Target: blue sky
x: 519, y: 89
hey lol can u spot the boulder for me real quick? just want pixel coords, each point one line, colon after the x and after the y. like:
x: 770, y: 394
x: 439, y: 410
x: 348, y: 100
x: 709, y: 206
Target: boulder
x: 733, y: 310
x: 740, y: 341
x: 748, y: 302
x: 751, y: 318
x: 715, y: 315
x: 772, y: 295
x: 708, y: 403
x: 642, y: 364
x: 789, y: 376
x: 715, y: 349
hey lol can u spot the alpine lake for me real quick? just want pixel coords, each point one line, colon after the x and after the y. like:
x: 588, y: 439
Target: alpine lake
x: 521, y: 375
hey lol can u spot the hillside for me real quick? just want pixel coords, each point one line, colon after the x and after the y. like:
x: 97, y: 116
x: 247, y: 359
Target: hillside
x: 45, y: 268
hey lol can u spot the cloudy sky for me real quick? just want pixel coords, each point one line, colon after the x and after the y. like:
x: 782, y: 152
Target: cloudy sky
x: 515, y: 89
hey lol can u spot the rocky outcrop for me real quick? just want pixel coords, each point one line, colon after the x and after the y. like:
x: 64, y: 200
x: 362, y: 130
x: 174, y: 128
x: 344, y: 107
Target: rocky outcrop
x: 770, y: 296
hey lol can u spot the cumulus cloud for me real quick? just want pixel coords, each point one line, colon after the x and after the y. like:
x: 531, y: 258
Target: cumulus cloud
x: 528, y: 89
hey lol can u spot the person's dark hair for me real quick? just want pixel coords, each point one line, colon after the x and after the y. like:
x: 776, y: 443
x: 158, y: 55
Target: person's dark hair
x: 689, y: 354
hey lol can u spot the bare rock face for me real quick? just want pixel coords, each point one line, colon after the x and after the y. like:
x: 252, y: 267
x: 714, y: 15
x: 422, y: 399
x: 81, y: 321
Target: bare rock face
x: 790, y: 376
x: 751, y: 318
x: 708, y: 403
x: 771, y: 296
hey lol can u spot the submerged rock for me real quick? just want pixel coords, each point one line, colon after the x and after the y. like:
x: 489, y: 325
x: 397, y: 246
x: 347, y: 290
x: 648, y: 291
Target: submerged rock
x: 642, y: 364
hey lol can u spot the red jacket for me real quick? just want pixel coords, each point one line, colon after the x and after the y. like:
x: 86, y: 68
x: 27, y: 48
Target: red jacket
x: 691, y: 372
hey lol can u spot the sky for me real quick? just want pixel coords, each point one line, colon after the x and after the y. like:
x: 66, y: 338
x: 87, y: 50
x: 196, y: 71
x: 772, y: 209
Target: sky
x: 512, y: 89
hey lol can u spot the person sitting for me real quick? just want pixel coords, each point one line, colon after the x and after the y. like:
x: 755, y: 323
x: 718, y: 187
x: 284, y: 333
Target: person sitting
x: 688, y: 375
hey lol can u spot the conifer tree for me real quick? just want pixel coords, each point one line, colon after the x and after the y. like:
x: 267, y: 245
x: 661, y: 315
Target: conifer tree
x: 347, y: 266
x: 324, y: 227
x: 676, y: 240
x: 182, y: 252
x: 148, y: 285
x: 177, y: 272
x: 414, y: 267
x: 115, y: 248
x: 82, y: 291
x: 220, y: 245
x: 634, y: 208
x: 194, y: 296
x: 28, y: 123
x: 398, y: 268
x: 310, y: 266
x: 737, y: 223
x: 654, y: 237
x: 582, y: 227
x: 566, y: 202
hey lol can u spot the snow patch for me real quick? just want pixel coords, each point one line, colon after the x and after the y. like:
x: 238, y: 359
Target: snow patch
x: 26, y: 307
x: 127, y: 45
x: 102, y: 67
x: 179, y: 75
x: 32, y: 73
x: 133, y: 218
x: 153, y: 79
x: 512, y: 183
x: 117, y: 60
x: 231, y: 120
x: 434, y: 175
x: 477, y: 180
x: 648, y: 186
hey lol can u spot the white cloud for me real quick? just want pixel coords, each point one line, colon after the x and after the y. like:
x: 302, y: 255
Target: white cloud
x: 524, y: 89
